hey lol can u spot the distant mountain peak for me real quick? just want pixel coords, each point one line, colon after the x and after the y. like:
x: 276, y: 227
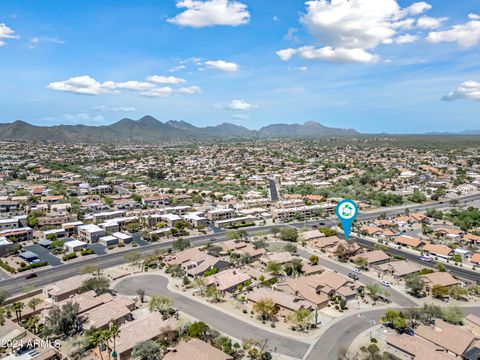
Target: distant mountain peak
x: 150, y: 129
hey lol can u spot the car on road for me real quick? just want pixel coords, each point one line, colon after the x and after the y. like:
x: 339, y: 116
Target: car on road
x: 212, y: 239
x: 31, y: 276
x: 357, y: 270
x: 425, y: 258
x: 385, y: 283
x: 353, y: 276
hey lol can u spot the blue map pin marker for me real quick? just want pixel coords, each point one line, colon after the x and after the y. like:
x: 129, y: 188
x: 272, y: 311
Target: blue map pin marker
x: 347, y: 211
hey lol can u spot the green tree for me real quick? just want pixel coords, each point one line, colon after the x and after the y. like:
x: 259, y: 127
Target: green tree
x: 439, y: 291
x: 266, y: 308
x: 133, y: 258
x: 159, y: 303
x: 198, y: 330
x: 34, y: 302
x: 414, y: 285
x: 233, y: 235
x: 453, y: 315
x: 373, y: 350
x: 289, y: 234
x: 141, y: 293
x: 32, y: 324
x: 273, y: 267
x: 361, y: 262
x: 300, y: 317
x: 374, y: 290
x: 458, y: 292
x: 181, y: 244
x: 90, y: 269
x: 100, y: 285
x: 213, y: 293
x: 62, y: 321
x: 114, y: 331
x: 314, y: 260
x: 17, y: 307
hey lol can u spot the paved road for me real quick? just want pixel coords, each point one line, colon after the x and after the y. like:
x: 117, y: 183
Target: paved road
x: 156, y: 284
x: 342, y: 333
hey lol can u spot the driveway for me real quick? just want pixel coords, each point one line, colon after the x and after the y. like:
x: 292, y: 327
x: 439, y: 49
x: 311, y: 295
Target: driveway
x: 138, y: 240
x: 157, y: 284
x: 44, y: 254
x: 98, y: 249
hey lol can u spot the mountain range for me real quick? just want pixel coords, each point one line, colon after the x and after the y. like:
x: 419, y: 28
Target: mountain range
x: 150, y: 129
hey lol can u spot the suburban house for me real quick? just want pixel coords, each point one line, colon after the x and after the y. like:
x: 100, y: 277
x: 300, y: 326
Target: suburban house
x: 409, y: 241
x: 398, y: 269
x: 284, y: 302
x: 90, y: 233
x: 117, y: 310
x: 227, y: 280
x: 202, y: 350
x: 472, y: 323
x: 325, y: 242
x: 413, y: 347
x: 442, y: 251
x: 312, y: 235
x: 375, y: 257
x: 63, y: 289
x: 443, y: 279
x: 451, y: 338
x: 150, y: 327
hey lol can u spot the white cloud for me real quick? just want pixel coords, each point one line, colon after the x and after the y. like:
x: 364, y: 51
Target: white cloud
x: 418, y: 8
x: 115, y: 108
x: 158, y: 92
x: 465, y: 35
x: 6, y: 33
x: 299, y: 68
x: 427, y: 22
x: 222, y: 65
x: 240, y: 105
x: 240, y: 117
x: 167, y: 91
x: 177, y: 68
x: 406, y: 39
x: 473, y: 16
x: 339, y: 55
x: 80, y: 116
x: 172, y: 80
x: 37, y: 40
x: 201, y: 13
x: 86, y: 85
x: 286, y: 54
x: 349, y: 31
x: 189, y: 90
x: 468, y: 90
x: 290, y: 35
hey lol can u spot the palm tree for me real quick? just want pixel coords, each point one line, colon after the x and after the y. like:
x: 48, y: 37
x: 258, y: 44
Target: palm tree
x: 33, y: 303
x: 95, y: 337
x: 32, y: 323
x: 114, y: 332
x: 265, y: 308
x: 17, y: 307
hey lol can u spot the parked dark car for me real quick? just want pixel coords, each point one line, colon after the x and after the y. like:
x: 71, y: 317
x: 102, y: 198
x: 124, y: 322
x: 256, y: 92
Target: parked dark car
x: 31, y: 276
x: 353, y: 276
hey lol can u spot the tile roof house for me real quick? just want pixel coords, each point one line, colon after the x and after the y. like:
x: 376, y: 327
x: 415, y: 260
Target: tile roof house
x: 326, y: 242
x: 280, y: 257
x: 149, y: 327
x: 472, y: 323
x: 442, y: 251
x: 374, y: 257
x: 63, y: 289
x: 312, y: 235
x: 318, y: 288
x: 118, y: 310
x: 202, y: 350
x: 284, y: 301
x: 439, y: 278
x: 413, y: 347
x: 410, y: 241
x: 399, y: 269
x: 227, y: 280
x: 453, y: 339
x: 475, y: 259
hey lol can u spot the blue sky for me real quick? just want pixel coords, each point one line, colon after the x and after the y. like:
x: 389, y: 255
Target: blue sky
x: 405, y: 67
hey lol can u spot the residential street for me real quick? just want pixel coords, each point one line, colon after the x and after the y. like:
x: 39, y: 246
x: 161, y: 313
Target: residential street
x: 157, y: 284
